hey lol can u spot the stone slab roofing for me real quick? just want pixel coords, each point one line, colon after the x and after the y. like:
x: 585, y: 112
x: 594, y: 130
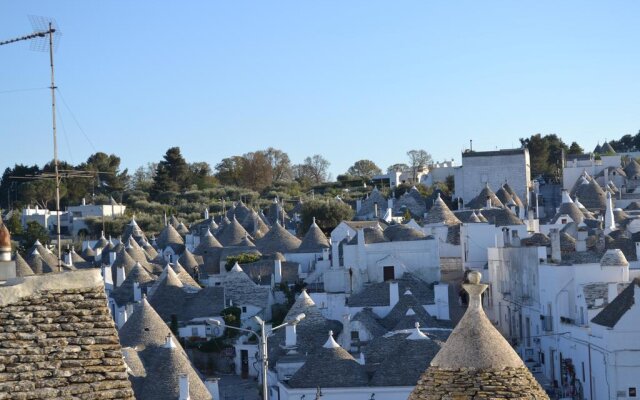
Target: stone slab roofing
x: 377, y: 294
x: 615, y: 310
x: 59, y: 340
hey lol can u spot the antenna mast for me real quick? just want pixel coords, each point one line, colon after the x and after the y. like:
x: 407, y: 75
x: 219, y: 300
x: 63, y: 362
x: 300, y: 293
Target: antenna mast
x: 44, y: 28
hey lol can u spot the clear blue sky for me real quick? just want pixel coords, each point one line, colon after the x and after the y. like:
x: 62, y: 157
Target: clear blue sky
x: 345, y: 79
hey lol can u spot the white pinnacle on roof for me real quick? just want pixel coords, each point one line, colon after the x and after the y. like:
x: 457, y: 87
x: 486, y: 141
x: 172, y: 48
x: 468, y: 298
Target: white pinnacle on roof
x: 410, y: 312
x: 331, y: 343
x: 417, y: 334
x: 236, y: 268
x: 565, y: 196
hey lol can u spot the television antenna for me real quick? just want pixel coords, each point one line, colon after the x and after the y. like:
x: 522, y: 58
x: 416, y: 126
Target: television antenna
x: 45, y: 36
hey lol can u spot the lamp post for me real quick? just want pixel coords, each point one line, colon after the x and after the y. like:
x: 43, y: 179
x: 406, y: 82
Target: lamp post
x: 263, y: 343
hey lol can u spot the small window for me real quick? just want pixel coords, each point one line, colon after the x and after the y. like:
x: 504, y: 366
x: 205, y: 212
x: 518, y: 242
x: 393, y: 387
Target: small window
x: 355, y: 335
x: 388, y: 273
x: 244, y: 309
x: 632, y: 392
x: 194, y: 331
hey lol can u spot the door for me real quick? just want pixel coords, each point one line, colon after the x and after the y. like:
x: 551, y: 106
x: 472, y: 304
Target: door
x: 388, y: 273
x: 244, y: 364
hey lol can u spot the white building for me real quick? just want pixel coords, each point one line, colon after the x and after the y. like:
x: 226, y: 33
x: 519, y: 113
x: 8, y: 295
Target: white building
x: 494, y: 168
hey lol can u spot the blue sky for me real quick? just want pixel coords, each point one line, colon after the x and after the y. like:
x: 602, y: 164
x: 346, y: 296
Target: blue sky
x: 345, y: 79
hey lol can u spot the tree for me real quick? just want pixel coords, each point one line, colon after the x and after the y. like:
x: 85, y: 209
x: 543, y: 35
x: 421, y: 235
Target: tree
x: 397, y: 168
x: 34, y: 232
x: 229, y: 170
x: 418, y: 159
x: 313, y: 170
x: 538, y: 153
x: 11, y: 185
x: 575, y: 149
x: 280, y: 165
x: 41, y: 192
x: 107, y: 169
x: 14, y: 224
x: 364, y: 168
x: 328, y: 213
x: 142, y: 178
x: 256, y: 172
x: 201, y: 175
x: 172, y: 173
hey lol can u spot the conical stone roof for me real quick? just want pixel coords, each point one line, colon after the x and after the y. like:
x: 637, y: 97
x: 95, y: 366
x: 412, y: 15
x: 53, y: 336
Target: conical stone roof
x: 279, y: 240
x: 232, y: 234
x: 189, y: 262
x: 22, y: 267
x: 632, y: 169
x: 441, y: 214
x: 330, y: 366
x: 314, y: 240
x: 480, y: 201
x: 477, y: 361
x: 169, y: 237
x: 144, y: 327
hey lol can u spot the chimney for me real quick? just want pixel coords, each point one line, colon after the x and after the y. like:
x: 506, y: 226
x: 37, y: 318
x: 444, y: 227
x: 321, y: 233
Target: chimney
x: 361, y: 360
x: 506, y: 240
x: 441, y: 292
x: 609, y: 221
x: 67, y: 258
x: 206, y: 213
x: 212, y: 386
x: 638, y: 250
x: 346, y: 332
x: 290, y: 338
x: 581, y: 241
x: 137, y: 292
x: 488, y: 201
x: 112, y: 257
x: 107, y: 276
x: 375, y: 209
x: 556, y: 254
x: 184, y: 387
x: 120, y: 275
x: 358, y: 205
x: 84, y: 201
x: 600, y: 243
x: 394, y: 294
x: 515, y: 239
x: 277, y: 271
x: 612, y: 291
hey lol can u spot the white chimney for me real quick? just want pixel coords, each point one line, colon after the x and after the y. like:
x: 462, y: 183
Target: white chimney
x: 556, y: 253
x: 120, y: 275
x: 290, y: 339
x: 612, y: 292
x: 581, y: 241
x: 67, y: 259
x: 515, y: 238
x: 184, y: 387
x: 609, y: 221
x: 107, y: 276
x: 375, y: 209
x: 506, y: 240
x: 394, y: 294
x: 112, y: 257
x: 346, y: 332
x: 441, y: 294
x: 358, y: 205
x: 361, y: 360
x: 84, y: 201
x: 212, y: 386
x: 488, y: 201
x: 137, y: 292
x: 277, y: 271
x: 206, y: 213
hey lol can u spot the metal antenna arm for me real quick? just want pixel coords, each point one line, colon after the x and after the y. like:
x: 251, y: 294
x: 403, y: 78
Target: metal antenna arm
x: 27, y: 37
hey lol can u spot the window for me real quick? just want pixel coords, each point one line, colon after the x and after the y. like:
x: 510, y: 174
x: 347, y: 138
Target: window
x: 632, y: 392
x: 244, y: 309
x: 355, y: 336
x: 194, y: 331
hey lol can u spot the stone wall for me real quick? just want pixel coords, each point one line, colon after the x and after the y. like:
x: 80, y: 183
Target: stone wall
x: 61, y: 344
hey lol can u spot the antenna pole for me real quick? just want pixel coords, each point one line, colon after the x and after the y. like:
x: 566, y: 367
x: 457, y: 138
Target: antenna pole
x: 55, y: 146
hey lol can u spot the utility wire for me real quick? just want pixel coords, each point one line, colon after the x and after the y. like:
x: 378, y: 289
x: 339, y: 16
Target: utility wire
x: 22, y: 90
x: 76, y: 120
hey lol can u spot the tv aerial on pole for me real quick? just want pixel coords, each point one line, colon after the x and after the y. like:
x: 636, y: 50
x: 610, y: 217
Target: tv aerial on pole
x: 45, y: 36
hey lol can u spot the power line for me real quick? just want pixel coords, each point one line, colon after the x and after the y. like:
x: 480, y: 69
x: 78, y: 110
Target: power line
x: 22, y: 90
x: 76, y: 120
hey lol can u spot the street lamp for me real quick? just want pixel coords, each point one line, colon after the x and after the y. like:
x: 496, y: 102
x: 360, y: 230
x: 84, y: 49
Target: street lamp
x: 263, y: 343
